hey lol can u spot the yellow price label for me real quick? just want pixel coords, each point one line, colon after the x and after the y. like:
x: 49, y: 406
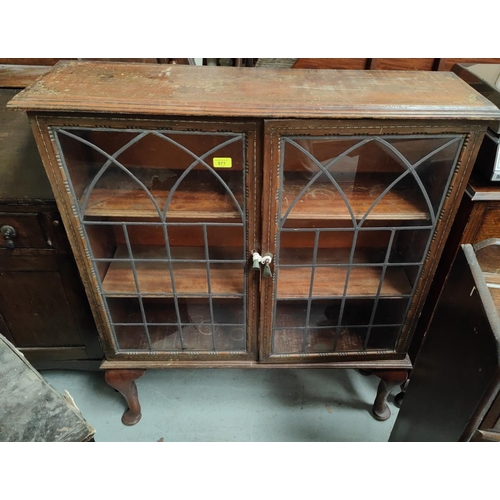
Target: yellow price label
x: 223, y: 162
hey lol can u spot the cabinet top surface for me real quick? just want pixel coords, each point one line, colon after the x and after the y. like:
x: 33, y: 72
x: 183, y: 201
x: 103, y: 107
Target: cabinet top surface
x: 153, y: 89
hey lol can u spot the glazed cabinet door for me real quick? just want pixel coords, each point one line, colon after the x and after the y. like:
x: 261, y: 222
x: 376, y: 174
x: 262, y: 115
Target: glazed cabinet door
x: 163, y: 217
x: 354, y: 213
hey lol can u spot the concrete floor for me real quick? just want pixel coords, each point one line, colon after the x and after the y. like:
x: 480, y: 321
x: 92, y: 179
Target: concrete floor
x: 233, y: 405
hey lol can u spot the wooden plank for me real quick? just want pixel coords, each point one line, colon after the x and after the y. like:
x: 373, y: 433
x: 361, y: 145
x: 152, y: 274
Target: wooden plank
x: 323, y: 201
x: 408, y: 64
x: 154, y: 278
x: 360, y: 363
x: 294, y: 283
x: 219, y: 91
x: 17, y: 76
x: 331, y: 63
x: 133, y: 203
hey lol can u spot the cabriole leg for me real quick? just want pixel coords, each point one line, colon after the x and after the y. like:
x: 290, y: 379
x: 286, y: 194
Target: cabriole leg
x: 123, y: 382
x: 388, y: 380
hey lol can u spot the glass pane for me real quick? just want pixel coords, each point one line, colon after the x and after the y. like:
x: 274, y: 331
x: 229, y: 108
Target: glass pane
x: 351, y: 339
x: 383, y: 337
x: 357, y: 311
x: 229, y: 311
x: 308, y: 191
x: 288, y: 341
x: 212, y: 185
x: 165, y: 337
x: 366, y: 281
x: 354, y: 312
x: 296, y: 247
x: 321, y: 340
x: 349, y: 180
x: 164, y: 215
x: 410, y: 245
x: 227, y: 337
x: 371, y: 247
x: 197, y: 174
x: 160, y: 310
x: 124, y: 310
x: 131, y: 337
x: 293, y: 282
x: 391, y: 311
x: 291, y: 313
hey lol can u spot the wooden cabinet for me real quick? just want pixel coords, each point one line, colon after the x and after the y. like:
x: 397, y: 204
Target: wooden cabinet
x: 43, y: 307
x: 477, y: 219
x: 457, y: 397
x: 229, y: 217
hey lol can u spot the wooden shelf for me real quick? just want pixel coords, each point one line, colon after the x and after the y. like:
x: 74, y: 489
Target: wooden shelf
x: 200, y: 198
x: 294, y: 283
x: 304, y: 256
x: 291, y: 341
x: 194, y: 337
x: 154, y: 277
x: 120, y: 203
x: 323, y: 201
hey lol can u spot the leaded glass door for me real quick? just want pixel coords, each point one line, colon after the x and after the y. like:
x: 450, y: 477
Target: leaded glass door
x: 162, y: 210
x: 355, y: 216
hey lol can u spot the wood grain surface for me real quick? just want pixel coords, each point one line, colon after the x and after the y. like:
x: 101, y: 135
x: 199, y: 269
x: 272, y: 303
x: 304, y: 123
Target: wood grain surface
x: 330, y: 281
x: 210, y: 91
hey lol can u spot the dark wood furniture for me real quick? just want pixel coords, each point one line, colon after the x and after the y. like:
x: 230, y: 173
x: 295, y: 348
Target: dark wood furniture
x: 478, y: 217
x: 44, y: 310
x: 389, y: 63
x: 30, y: 409
x: 454, y: 394
x: 228, y: 217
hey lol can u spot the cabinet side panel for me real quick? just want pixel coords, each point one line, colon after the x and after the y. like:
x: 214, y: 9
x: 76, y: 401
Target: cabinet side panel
x: 65, y: 204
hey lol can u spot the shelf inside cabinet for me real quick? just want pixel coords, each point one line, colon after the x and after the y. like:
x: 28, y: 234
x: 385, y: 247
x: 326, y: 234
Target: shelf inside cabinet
x: 323, y: 201
x: 190, y: 337
x: 154, y: 276
x: 348, y: 339
x: 191, y: 200
x: 295, y: 282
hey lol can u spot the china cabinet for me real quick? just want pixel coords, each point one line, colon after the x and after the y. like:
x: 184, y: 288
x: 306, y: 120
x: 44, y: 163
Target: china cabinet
x: 235, y: 217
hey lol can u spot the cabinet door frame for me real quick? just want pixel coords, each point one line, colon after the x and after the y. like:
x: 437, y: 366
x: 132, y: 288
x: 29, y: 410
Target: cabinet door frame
x: 273, y: 131
x: 43, y: 124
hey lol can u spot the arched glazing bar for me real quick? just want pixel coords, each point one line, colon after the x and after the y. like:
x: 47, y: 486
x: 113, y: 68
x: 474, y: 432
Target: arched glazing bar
x: 103, y: 169
x: 410, y: 168
x: 323, y: 169
x: 199, y: 160
x: 118, y: 164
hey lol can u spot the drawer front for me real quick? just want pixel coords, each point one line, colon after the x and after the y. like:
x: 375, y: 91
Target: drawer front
x: 28, y: 231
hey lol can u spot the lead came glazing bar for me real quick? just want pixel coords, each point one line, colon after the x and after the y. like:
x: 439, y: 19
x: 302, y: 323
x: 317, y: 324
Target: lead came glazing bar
x: 207, y: 258
x: 307, y: 330
x: 377, y: 296
x: 172, y: 280
x: 346, y: 285
x: 134, y: 272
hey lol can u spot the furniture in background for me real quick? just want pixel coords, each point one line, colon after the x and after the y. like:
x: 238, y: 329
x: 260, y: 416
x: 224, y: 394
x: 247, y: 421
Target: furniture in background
x: 30, y: 409
x: 241, y: 219
x: 454, y: 390
x: 391, y: 63
x: 478, y: 216
x: 44, y: 310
